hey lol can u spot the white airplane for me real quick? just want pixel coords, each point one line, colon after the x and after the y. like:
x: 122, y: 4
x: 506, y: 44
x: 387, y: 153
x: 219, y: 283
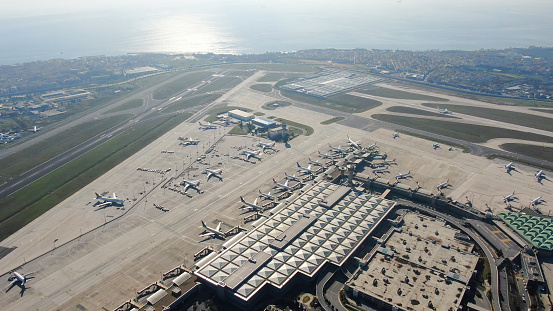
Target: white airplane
x: 337, y: 149
x: 253, y: 206
x: 540, y: 175
x: 34, y: 129
x: 188, y: 141
x: 395, y: 135
x: 509, y: 197
x: 20, y: 280
x: 326, y: 156
x: 307, y: 169
x: 388, y: 162
x: 109, y: 201
x: 436, y: 146
x: 190, y: 184
x: 249, y: 153
x: 293, y: 177
x: 371, y: 147
x: 404, y: 175
x: 536, y: 201
x: 444, y: 111
x: 266, y: 145
x: 354, y: 144
x: 445, y: 184
x: 267, y: 195
x: 216, y: 173
x: 315, y: 162
x: 283, y: 186
x: 509, y: 167
x: 214, y: 233
x: 207, y: 126
x: 380, y: 170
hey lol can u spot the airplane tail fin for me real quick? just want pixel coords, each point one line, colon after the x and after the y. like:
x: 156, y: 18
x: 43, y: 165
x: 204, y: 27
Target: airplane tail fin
x: 242, y: 199
x: 203, y: 224
x: 274, y: 181
x: 97, y: 195
x: 298, y: 164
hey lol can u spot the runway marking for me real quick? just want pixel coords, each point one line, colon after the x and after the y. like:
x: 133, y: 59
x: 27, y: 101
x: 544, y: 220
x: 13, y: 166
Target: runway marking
x: 506, y: 240
x: 496, y: 231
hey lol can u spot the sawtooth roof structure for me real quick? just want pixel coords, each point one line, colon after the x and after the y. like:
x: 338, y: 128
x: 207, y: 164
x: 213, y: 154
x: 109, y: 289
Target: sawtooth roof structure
x: 536, y: 230
x: 300, y: 237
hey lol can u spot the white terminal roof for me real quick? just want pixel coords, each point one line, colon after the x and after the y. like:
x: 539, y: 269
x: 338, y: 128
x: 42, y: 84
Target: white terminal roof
x: 299, y: 238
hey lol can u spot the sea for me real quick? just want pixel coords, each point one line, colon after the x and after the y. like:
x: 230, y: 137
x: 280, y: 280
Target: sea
x: 32, y: 30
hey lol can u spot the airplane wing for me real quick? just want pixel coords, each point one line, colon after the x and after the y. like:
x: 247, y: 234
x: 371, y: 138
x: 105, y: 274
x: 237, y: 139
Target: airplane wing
x: 255, y: 201
x: 207, y: 234
x: 218, y: 229
x: 286, y: 182
x: 186, y: 187
x: 114, y: 196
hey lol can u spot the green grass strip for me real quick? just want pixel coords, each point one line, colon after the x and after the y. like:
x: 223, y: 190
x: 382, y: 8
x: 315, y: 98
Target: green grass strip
x: 390, y: 93
x: 133, y: 103
x: 181, y: 84
x: 332, y: 120
x: 308, y: 130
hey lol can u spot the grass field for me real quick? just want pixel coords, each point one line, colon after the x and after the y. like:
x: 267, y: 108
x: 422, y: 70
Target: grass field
x: 389, y: 93
x: 542, y: 110
x: 340, y: 102
x: 410, y: 110
x: 219, y: 84
x: 181, y: 84
x: 467, y: 132
x: 272, y: 77
x: 296, y: 67
x: 133, y: 103
x: 238, y: 131
x: 518, y: 118
x: 191, y: 102
x: 307, y: 129
x: 269, y: 105
x: 266, y: 88
x: 434, y: 140
x: 20, y: 162
x: 332, y: 120
x: 212, y: 114
x: 539, y: 152
x: 32, y: 201
x: 258, y: 113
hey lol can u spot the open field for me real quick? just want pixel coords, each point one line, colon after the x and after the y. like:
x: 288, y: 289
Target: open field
x: 36, y: 154
x: 332, y: 120
x: 341, y: 102
x: 272, y: 77
x: 434, y: 140
x: 542, y: 110
x: 180, y: 84
x: 410, y: 110
x: 390, y: 93
x: 133, y: 103
x: 269, y: 105
x: 262, y: 87
x: 191, y: 102
x: 32, y: 201
x: 540, y: 152
x: 518, y: 118
x: 468, y: 132
x: 226, y: 82
x: 308, y: 130
x: 290, y: 67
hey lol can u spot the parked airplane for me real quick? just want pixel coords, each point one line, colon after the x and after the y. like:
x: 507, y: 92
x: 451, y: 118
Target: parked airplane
x: 249, y: 153
x: 509, y: 167
x: 253, y: 206
x: 536, y: 201
x: 371, y: 147
x: 283, y: 186
x: 293, y: 177
x: 445, y: 184
x: 19, y: 280
x: 436, y: 146
x: 307, y: 169
x: 315, y: 162
x: 388, y: 162
x: 381, y: 170
x: 354, y: 144
x: 509, y: 197
x: 444, y: 111
x: 214, y: 233
x: 326, y: 156
x: 266, y: 145
x: 207, y: 126
x: 267, y: 195
x: 188, y: 141
x: 109, y: 201
x: 404, y: 175
x: 216, y: 173
x: 190, y: 184
x: 540, y: 175
x: 337, y: 149
x: 395, y: 135
x: 34, y: 129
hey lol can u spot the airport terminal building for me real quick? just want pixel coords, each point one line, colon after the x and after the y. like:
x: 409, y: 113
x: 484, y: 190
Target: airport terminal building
x: 323, y: 226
